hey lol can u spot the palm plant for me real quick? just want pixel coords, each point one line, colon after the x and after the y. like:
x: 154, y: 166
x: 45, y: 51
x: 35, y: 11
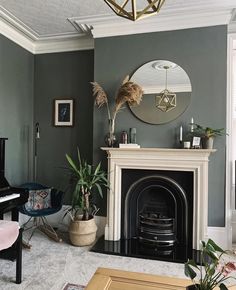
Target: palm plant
x: 87, y: 179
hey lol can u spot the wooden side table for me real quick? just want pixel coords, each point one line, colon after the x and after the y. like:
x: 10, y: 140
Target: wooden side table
x: 110, y: 279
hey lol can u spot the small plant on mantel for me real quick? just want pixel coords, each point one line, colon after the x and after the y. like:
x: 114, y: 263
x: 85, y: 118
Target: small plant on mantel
x: 212, y: 271
x: 87, y: 181
x: 207, y: 132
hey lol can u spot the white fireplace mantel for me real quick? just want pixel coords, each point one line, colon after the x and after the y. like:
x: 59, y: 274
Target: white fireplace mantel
x: 193, y: 160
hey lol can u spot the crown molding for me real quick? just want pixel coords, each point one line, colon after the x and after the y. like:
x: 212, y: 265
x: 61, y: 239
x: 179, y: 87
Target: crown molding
x: 102, y: 26
x: 18, y: 32
x: 51, y: 45
x: 232, y: 27
x: 16, y: 36
x: 173, y: 17
x: 46, y: 44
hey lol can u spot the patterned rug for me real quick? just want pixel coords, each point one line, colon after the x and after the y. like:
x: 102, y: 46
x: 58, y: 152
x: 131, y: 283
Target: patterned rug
x: 70, y: 286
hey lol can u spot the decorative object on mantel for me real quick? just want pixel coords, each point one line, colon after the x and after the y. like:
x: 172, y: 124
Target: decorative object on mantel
x: 213, y: 270
x: 132, y: 135
x: 129, y: 145
x: 207, y: 134
x: 129, y: 92
x: 86, y: 180
x: 130, y: 10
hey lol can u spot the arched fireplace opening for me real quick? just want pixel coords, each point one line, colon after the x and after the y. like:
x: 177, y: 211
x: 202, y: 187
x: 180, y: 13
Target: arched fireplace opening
x: 157, y: 207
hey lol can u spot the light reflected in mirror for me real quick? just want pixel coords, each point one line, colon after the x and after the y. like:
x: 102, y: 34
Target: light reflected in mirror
x: 167, y: 91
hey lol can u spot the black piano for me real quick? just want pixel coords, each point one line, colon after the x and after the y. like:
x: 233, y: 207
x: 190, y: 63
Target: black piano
x: 10, y: 197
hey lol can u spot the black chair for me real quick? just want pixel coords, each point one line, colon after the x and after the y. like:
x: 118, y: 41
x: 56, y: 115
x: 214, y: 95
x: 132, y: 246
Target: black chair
x: 38, y: 216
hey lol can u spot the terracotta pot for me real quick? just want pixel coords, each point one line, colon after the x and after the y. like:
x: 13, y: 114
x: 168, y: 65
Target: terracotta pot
x: 82, y: 233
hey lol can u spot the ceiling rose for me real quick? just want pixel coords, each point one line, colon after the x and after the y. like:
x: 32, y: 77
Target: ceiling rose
x: 129, y: 9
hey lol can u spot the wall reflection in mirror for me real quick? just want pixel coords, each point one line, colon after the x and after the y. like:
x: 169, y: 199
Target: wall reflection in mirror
x: 167, y: 91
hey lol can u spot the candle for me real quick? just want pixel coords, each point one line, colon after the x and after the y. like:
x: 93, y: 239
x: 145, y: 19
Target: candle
x: 192, y: 127
x: 181, y: 134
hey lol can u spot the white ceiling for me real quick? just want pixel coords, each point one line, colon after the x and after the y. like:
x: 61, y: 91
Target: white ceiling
x: 40, y: 20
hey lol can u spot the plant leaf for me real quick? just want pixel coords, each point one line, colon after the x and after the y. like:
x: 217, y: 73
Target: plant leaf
x: 189, y: 272
x: 223, y: 287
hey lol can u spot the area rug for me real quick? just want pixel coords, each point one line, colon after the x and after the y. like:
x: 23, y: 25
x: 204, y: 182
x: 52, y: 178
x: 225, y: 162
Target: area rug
x: 70, y: 286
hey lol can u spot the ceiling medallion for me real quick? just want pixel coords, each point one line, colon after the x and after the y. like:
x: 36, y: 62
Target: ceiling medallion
x: 129, y: 10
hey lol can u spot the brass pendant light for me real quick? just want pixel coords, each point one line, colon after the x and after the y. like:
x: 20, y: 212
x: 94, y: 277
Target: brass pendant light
x: 166, y: 100
x: 128, y: 8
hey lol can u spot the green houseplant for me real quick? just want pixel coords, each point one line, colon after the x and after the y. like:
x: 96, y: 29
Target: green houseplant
x: 207, y: 134
x: 212, y: 271
x: 87, y: 181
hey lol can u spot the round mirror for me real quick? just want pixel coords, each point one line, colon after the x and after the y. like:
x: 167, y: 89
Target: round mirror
x: 167, y: 91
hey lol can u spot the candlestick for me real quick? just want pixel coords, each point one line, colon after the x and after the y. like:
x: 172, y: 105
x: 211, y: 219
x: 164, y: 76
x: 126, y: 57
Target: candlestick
x: 181, y: 134
x: 192, y: 126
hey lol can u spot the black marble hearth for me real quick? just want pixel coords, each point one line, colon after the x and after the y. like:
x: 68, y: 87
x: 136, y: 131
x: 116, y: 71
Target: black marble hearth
x: 133, y: 248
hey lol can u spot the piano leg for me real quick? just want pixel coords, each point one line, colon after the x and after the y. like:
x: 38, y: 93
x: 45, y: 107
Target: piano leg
x: 1, y: 215
x: 15, y: 214
x: 19, y: 258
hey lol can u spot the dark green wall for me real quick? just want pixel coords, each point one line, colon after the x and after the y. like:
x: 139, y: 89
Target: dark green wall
x: 16, y: 109
x: 202, y: 53
x: 62, y: 75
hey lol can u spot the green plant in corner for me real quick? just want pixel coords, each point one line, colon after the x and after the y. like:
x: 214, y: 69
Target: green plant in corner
x: 212, y: 271
x: 87, y: 180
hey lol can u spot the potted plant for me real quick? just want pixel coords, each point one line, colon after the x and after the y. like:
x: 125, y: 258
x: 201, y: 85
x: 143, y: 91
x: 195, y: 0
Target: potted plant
x: 212, y: 271
x: 87, y: 181
x: 207, y: 134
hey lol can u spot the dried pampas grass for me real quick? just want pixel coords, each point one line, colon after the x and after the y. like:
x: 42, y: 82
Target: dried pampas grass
x: 129, y: 92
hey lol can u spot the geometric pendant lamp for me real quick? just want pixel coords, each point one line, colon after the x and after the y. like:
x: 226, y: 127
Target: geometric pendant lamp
x: 130, y: 9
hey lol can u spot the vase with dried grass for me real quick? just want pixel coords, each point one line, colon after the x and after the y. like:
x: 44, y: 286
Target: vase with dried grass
x: 129, y: 92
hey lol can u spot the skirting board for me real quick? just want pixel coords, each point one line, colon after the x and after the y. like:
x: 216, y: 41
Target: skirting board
x: 218, y: 234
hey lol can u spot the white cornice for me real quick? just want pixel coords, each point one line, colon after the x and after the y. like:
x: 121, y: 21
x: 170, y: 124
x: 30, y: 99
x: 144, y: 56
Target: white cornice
x: 115, y: 26
x: 51, y: 45
x: 46, y: 44
x: 18, y: 32
x: 174, y: 17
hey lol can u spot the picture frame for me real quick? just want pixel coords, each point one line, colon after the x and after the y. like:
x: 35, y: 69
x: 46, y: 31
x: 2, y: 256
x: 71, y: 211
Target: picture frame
x: 63, y: 113
x: 196, y: 142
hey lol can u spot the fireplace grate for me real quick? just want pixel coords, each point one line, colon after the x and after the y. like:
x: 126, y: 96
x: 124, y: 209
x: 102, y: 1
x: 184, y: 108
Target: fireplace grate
x: 156, y: 228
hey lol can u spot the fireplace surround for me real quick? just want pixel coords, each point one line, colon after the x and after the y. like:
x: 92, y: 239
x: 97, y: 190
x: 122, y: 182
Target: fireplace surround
x: 156, y: 160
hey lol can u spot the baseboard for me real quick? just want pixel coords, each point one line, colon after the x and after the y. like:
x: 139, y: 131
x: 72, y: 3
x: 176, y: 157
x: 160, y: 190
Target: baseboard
x: 218, y: 234
x: 61, y: 221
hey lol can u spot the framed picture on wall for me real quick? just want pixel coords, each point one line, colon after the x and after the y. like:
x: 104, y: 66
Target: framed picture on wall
x: 63, y: 112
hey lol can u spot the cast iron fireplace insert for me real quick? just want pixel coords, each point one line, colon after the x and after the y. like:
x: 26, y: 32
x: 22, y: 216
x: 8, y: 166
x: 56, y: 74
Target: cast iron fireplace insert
x: 156, y: 216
